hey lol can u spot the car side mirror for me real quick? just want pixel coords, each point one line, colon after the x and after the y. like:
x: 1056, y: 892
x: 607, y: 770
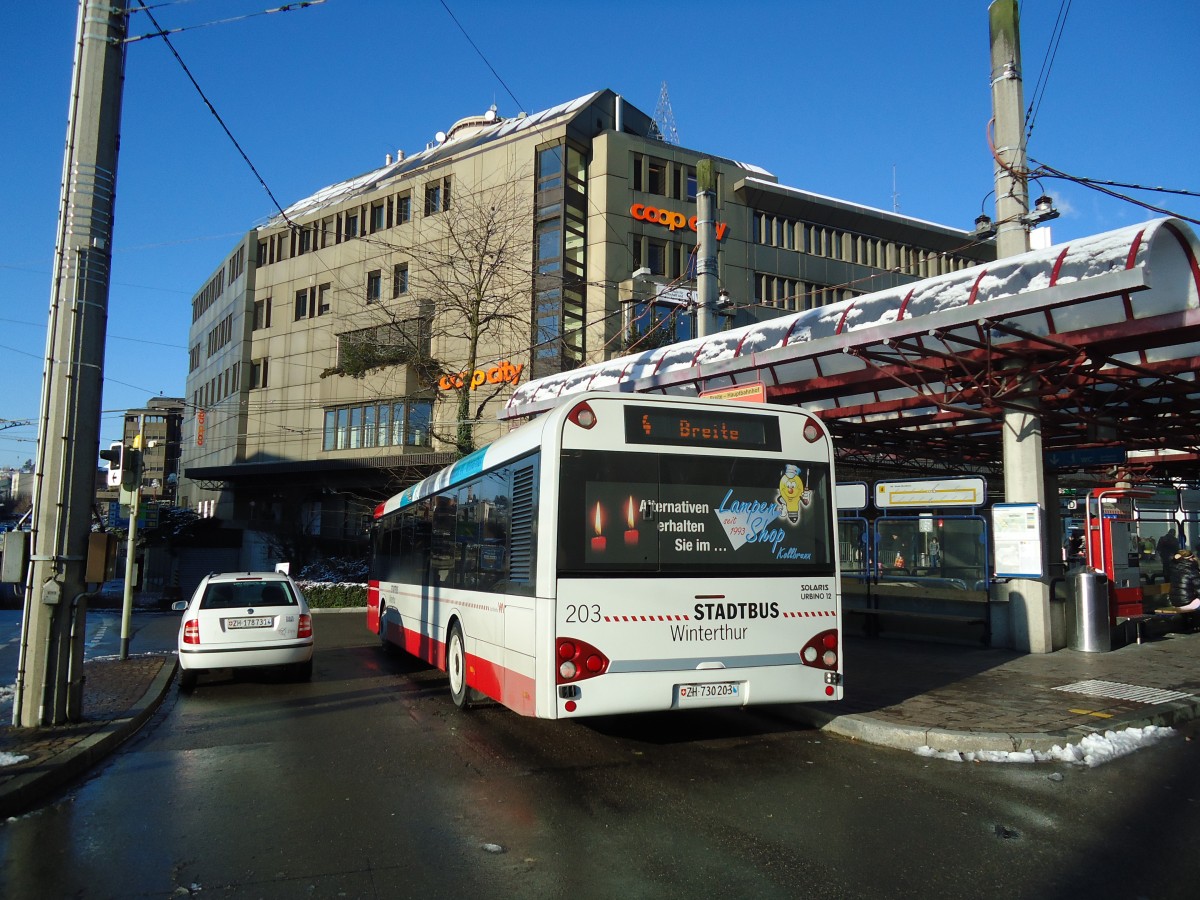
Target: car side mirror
x: 179, y: 605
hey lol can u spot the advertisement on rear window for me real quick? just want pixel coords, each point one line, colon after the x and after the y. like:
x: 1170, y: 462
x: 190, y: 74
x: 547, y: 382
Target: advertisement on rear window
x: 757, y: 515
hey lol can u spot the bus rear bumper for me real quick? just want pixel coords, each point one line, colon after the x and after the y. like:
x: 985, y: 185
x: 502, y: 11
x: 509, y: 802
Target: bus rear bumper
x: 626, y: 692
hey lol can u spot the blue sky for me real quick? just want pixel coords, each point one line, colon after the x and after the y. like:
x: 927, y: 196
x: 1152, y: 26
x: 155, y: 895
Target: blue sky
x: 881, y: 103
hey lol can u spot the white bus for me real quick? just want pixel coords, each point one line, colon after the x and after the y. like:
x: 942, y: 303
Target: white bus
x: 622, y: 553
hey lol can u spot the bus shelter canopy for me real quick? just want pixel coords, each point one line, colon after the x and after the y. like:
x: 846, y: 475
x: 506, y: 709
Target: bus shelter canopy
x: 1100, y: 337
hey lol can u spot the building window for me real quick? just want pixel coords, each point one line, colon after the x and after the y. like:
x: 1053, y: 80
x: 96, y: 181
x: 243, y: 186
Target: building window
x: 392, y: 344
x: 656, y: 256
x: 258, y: 373
x: 399, y: 279
x: 351, y: 225
x: 433, y: 198
x: 306, y: 236
x: 378, y: 217
x: 550, y: 168
x: 262, y: 313
x: 392, y: 423
x: 374, y: 285
x: 656, y: 176
x: 323, y: 299
x: 549, y: 247
x: 403, y: 209
x: 301, y: 304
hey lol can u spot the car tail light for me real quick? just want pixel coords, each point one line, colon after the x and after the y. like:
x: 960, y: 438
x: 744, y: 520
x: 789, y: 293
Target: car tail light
x: 191, y: 631
x: 822, y: 651
x: 305, y: 629
x: 578, y: 660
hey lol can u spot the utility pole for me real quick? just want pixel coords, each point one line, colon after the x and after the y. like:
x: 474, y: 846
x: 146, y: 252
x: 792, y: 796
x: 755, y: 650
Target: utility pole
x: 1024, y: 470
x: 49, y: 685
x: 706, y: 247
x: 1008, y: 112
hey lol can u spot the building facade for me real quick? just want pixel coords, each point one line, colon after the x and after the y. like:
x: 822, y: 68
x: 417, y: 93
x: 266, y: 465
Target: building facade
x: 371, y: 332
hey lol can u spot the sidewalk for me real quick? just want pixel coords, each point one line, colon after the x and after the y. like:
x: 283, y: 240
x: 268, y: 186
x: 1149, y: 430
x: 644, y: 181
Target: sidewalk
x: 900, y: 694
x: 118, y: 697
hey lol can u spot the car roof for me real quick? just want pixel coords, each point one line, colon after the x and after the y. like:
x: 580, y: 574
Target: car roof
x: 219, y: 577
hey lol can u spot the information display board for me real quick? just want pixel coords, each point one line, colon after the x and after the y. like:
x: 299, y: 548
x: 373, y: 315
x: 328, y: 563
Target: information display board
x: 1017, y: 538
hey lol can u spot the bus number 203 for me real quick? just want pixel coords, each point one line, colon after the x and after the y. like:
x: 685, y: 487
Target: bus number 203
x: 583, y: 612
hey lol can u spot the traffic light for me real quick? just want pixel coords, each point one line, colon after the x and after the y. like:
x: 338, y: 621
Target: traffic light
x: 113, y: 454
x: 131, y: 471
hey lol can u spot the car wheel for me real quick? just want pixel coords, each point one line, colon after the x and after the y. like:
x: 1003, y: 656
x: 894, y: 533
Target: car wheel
x: 456, y: 668
x: 187, y: 681
x: 304, y: 671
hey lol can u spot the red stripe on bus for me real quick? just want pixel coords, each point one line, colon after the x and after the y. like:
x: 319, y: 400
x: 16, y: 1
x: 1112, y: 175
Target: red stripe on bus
x: 507, y: 686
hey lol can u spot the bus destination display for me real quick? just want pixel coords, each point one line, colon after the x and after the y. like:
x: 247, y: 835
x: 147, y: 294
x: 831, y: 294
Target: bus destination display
x: 682, y: 427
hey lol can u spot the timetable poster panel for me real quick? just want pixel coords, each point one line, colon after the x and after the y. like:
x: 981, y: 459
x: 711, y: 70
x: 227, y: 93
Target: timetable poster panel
x: 1017, y: 536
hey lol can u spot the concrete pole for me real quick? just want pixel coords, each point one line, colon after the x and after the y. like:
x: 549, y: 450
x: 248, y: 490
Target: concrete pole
x: 48, y: 689
x: 131, y: 545
x: 1028, y: 598
x: 1024, y: 482
x: 706, y: 248
x: 1008, y: 111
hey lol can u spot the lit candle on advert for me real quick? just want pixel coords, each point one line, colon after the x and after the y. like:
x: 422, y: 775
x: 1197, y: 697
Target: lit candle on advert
x: 631, y: 536
x: 598, y: 542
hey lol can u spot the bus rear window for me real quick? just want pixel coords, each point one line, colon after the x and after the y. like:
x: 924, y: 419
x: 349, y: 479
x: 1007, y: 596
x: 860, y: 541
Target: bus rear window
x: 674, y: 514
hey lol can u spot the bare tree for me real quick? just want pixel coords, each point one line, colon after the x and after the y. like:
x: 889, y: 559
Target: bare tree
x: 476, y: 269
x: 471, y: 277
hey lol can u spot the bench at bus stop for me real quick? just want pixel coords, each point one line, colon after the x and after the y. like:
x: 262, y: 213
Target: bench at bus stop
x: 1160, y: 621
x: 941, y: 601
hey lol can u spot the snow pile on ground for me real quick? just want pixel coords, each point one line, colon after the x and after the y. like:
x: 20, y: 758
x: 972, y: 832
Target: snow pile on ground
x: 11, y: 759
x: 1093, y: 750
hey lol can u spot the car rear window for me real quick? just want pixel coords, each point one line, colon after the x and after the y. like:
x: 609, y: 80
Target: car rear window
x: 236, y: 594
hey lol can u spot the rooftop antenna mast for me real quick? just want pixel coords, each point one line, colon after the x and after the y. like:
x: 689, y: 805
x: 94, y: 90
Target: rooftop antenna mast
x: 895, y: 194
x: 664, y: 118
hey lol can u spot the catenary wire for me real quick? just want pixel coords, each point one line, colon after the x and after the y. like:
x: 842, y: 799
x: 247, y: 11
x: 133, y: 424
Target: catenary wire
x: 216, y: 115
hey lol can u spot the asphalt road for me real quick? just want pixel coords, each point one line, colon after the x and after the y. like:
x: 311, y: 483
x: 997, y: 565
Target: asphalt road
x: 367, y: 782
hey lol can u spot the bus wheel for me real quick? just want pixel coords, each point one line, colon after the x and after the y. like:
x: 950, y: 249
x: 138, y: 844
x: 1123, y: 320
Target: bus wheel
x: 456, y: 668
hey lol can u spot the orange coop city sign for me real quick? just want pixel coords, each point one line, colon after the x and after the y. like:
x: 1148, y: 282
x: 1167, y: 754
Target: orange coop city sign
x: 504, y: 373
x: 670, y: 219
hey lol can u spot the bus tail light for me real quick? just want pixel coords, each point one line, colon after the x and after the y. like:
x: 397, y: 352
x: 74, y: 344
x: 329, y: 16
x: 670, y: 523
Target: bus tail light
x: 191, y: 631
x: 812, y: 432
x: 822, y: 651
x: 578, y: 660
x: 582, y: 415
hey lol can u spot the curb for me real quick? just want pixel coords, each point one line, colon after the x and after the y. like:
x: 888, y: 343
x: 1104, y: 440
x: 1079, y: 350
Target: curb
x: 869, y: 730
x: 24, y: 791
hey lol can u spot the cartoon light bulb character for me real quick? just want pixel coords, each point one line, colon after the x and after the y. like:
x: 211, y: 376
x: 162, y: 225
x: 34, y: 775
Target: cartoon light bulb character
x: 792, y: 494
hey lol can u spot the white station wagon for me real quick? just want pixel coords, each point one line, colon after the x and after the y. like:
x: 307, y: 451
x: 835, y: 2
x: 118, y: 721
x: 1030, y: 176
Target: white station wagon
x: 239, y: 620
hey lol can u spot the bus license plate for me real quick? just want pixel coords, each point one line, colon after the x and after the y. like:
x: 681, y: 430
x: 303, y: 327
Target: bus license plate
x: 250, y: 623
x: 717, y: 694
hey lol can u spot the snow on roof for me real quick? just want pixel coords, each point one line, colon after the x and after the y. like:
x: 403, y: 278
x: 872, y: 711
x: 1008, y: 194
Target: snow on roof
x: 1076, y: 271
x: 499, y: 128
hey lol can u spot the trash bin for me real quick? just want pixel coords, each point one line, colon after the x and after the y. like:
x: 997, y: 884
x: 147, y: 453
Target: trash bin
x: 1087, y: 614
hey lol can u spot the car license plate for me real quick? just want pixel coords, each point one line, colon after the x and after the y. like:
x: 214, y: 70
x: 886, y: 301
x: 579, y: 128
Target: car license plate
x: 263, y: 622
x: 719, y: 693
